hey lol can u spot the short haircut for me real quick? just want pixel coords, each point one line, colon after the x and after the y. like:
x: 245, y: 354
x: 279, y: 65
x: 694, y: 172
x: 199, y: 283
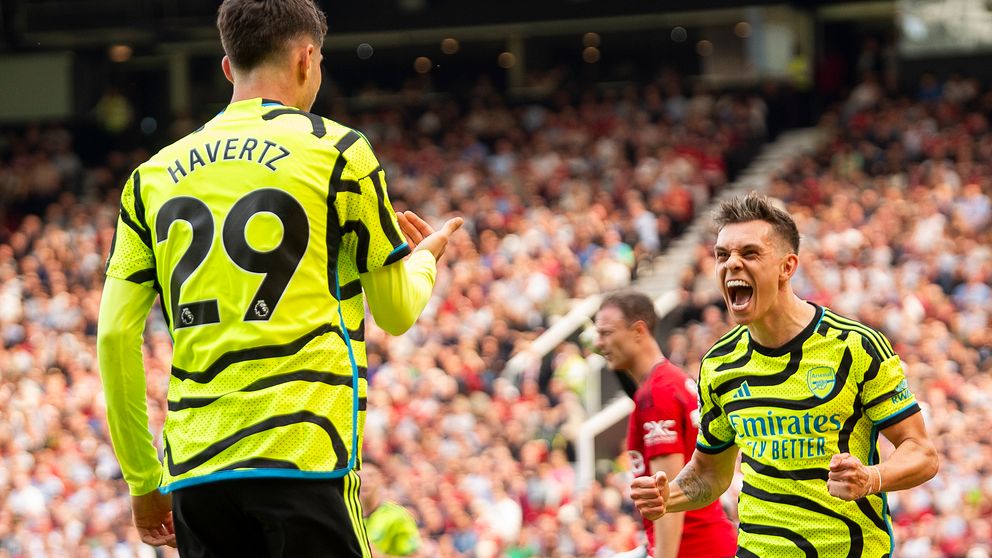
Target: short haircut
x: 634, y: 306
x: 253, y: 31
x: 757, y: 207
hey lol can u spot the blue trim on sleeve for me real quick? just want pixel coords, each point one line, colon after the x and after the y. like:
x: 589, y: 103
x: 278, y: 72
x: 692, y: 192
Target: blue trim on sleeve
x: 873, y: 446
x: 713, y: 449
x: 403, y: 246
x: 254, y: 474
x: 898, y: 416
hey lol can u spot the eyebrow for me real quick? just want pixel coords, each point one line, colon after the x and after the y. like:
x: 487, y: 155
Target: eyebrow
x: 750, y: 246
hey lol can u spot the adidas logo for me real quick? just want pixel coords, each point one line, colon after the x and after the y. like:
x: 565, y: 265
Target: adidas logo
x: 743, y: 391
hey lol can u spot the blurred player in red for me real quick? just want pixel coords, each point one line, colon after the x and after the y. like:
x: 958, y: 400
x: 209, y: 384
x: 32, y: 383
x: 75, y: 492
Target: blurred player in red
x: 662, y: 432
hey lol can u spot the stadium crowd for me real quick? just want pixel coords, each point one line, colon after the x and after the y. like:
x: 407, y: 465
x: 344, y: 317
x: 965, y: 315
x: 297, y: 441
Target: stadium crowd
x: 561, y: 199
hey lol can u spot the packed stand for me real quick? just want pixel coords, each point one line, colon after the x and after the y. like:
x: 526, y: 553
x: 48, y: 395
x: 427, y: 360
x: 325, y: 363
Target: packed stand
x: 560, y: 200
x: 895, y: 214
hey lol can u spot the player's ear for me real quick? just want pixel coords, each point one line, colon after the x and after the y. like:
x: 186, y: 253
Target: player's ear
x: 304, y: 62
x: 789, y: 266
x: 641, y: 327
x: 225, y: 65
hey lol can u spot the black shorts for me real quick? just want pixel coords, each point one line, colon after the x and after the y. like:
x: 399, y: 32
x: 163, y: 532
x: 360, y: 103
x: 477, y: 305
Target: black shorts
x: 274, y: 518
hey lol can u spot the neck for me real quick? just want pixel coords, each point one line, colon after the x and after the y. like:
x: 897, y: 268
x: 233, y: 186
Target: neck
x: 264, y: 84
x: 783, y: 323
x: 645, y: 361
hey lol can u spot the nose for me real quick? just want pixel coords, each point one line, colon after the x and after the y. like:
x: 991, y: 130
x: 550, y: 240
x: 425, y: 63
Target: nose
x: 734, y: 262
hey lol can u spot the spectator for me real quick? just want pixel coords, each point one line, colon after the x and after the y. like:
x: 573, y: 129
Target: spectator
x: 548, y: 222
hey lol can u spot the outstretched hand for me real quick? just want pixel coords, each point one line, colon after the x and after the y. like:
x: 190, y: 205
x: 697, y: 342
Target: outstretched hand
x: 650, y: 495
x: 422, y: 236
x: 153, y: 518
x: 849, y: 479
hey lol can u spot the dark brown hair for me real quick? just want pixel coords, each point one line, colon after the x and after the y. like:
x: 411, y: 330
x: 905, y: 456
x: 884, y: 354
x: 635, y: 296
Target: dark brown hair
x: 252, y: 31
x: 633, y: 306
x: 757, y: 207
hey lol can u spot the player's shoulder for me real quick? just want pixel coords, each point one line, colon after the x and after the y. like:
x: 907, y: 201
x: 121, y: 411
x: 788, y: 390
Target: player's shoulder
x: 345, y: 137
x: 330, y: 133
x: 666, y: 373
x: 869, y: 338
x: 289, y: 123
x: 724, y: 346
x: 312, y: 127
x: 352, y: 147
x: 668, y: 379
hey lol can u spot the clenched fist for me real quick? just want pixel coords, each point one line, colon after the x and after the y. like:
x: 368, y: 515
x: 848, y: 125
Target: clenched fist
x: 650, y: 495
x: 849, y: 479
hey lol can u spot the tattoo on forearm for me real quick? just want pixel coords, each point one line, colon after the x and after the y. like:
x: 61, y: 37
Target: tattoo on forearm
x: 695, y: 488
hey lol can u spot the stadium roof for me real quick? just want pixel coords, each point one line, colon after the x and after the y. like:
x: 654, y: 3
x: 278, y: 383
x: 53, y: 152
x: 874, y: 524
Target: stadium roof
x: 61, y: 24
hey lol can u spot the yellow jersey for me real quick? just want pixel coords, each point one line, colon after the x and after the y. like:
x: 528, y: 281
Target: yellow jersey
x: 254, y: 230
x: 789, y: 410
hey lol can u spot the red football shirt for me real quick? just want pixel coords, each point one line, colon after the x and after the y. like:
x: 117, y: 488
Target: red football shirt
x: 665, y: 421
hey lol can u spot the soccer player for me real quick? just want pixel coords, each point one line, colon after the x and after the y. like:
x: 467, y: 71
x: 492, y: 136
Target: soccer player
x: 803, y: 394
x: 662, y: 430
x: 392, y: 528
x: 259, y: 232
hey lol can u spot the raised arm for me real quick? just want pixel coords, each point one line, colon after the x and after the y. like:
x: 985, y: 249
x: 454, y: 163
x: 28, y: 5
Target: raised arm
x: 668, y: 528
x: 892, y: 407
x: 701, y: 482
x: 397, y: 293
x: 913, y: 462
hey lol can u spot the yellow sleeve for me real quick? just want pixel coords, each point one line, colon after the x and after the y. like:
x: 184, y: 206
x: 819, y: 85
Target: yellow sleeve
x: 131, y: 255
x: 398, y: 293
x: 886, y: 396
x: 715, y: 431
x: 367, y: 211
x: 123, y: 310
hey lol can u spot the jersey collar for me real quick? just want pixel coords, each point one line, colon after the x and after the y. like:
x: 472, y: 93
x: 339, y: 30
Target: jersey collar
x: 255, y: 102
x: 794, y: 343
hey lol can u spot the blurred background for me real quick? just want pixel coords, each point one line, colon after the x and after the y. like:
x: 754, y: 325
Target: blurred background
x: 584, y: 142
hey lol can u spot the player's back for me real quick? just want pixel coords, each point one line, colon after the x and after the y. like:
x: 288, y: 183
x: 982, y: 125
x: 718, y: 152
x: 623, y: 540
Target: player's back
x: 248, y: 220
x: 238, y: 218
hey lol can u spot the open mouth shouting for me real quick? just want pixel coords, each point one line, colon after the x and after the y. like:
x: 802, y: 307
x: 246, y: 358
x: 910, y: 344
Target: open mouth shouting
x: 739, y: 294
